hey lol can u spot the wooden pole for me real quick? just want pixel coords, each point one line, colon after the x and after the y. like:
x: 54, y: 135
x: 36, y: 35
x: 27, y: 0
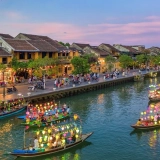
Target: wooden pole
x: 3, y: 85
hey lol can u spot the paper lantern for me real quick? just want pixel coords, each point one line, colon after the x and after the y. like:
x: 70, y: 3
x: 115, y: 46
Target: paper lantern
x: 75, y: 116
x: 43, y: 132
x: 37, y: 132
x: 42, y: 145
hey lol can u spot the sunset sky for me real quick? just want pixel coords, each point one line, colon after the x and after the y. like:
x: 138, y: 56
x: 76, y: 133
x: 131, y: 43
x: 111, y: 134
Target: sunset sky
x: 127, y: 22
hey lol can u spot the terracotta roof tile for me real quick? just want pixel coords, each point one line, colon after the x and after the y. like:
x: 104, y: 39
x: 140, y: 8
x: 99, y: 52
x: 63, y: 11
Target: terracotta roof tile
x: 20, y: 45
x: 111, y: 47
x: 99, y: 51
x: 5, y: 35
x: 54, y: 43
x: 42, y: 45
x: 82, y: 45
x: 4, y: 53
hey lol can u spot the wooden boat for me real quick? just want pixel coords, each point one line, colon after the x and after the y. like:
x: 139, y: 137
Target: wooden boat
x: 27, y: 153
x: 13, y: 112
x: 146, y: 127
x: 41, y: 124
x: 138, y: 78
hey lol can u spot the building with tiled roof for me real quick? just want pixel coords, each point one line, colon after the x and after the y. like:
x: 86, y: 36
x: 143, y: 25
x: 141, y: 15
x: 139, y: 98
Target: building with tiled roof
x: 54, y: 43
x: 109, y: 48
x: 5, y: 56
x: 5, y: 35
x: 80, y: 46
x: 101, y: 54
x: 154, y: 50
x: 129, y: 50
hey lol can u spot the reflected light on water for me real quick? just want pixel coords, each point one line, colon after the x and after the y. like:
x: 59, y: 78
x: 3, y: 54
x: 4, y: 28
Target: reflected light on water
x: 6, y: 128
x: 100, y: 98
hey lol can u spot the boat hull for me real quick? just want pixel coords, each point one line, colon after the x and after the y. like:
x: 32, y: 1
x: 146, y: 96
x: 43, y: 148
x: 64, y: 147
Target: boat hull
x: 12, y: 113
x: 55, y: 150
x: 145, y: 127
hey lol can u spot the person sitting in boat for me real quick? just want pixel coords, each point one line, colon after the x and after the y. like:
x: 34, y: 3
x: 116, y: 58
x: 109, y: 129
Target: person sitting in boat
x: 43, y: 119
x: 36, y: 143
x: 68, y: 110
x: 73, y: 138
x: 56, y: 115
x: 139, y: 122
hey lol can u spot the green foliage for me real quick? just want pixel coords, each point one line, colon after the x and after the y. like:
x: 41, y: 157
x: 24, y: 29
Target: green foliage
x: 3, y: 67
x: 110, y: 60
x: 125, y: 61
x: 39, y: 66
x: 81, y: 65
x: 65, y: 44
x: 90, y: 57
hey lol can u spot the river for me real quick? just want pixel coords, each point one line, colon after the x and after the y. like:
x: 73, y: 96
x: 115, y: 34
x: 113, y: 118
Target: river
x: 108, y: 113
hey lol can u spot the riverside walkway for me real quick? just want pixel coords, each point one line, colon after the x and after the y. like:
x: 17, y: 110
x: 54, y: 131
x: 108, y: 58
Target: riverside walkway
x: 24, y: 92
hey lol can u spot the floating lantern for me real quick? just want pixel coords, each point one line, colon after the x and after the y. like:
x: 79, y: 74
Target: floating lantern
x: 76, y: 116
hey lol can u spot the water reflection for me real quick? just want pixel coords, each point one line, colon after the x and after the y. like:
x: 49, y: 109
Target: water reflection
x: 70, y: 154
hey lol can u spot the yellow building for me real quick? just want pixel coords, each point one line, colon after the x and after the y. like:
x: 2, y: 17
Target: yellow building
x: 27, y: 47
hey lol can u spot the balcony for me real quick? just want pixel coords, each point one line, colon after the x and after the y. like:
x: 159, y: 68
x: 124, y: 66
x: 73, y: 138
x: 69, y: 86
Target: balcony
x: 64, y: 59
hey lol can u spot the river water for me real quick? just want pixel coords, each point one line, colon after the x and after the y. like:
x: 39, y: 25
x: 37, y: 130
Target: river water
x: 108, y: 113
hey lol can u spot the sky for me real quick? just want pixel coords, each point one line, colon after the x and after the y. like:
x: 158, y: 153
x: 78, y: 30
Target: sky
x: 127, y: 22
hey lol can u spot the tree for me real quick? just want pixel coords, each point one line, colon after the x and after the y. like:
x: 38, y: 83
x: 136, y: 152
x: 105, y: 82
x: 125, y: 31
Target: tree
x: 91, y: 58
x: 40, y: 69
x: 81, y: 65
x: 110, y: 60
x: 125, y: 61
x: 3, y: 68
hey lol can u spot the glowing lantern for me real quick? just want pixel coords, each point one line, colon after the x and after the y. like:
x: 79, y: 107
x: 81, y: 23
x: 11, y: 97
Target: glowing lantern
x: 141, y: 113
x: 77, y: 130
x: 76, y: 136
x: 42, y: 145
x: 50, y: 138
x: 43, y: 132
x: 144, y: 112
x: 75, y: 116
x: 37, y: 132
x: 49, y: 130
x: 27, y: 113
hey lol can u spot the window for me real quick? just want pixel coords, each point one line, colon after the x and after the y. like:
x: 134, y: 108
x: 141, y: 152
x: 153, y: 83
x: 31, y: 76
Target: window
x: 4, y: 60
x: 64, y: 54
x: 43, y: 54
x: 67, y: 54
x: 50, y: 55
x: 69, y: 68
x: 29, y: 56
x: 21, y: 56
x: 60, y: 70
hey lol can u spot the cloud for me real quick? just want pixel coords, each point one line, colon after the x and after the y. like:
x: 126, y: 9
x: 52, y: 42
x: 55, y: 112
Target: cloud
x: 146, y: 32
x: 12, y: 16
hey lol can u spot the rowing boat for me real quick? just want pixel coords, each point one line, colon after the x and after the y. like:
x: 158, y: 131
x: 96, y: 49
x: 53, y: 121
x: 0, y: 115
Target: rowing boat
x: 12, y: 112
x: 141, y: 127
x: 43, y: 152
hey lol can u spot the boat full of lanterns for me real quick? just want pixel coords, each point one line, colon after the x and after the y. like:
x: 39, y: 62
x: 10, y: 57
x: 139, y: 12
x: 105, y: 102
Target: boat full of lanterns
x: 12, y: 107
x: 154, y: 92
x: 54, y: 139
x: 38, y: 115
x: 149, y: 119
